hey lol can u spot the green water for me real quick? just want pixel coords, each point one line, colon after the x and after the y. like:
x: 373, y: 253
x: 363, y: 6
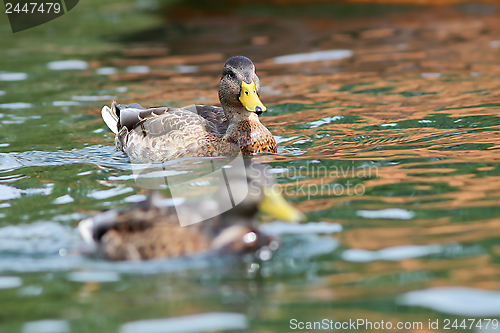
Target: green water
x: 402, y: 165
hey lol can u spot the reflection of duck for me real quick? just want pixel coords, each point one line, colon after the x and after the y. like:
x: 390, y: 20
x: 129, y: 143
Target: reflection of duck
x: 165, y: 133
x: 152, y: 229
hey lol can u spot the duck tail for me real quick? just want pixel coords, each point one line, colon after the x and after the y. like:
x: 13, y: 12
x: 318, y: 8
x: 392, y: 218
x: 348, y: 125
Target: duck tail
x: 85, y: 227
x: 110, y: 117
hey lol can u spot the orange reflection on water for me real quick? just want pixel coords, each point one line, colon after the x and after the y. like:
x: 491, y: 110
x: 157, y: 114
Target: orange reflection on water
x: 418, y: 101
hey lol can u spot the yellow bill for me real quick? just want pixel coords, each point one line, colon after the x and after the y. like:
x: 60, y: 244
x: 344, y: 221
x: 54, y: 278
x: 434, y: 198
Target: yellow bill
x: 275, y: 205
x: 250, y: 99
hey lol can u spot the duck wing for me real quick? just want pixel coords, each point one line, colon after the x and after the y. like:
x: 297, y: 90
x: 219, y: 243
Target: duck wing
x: 130, y: 116
x: 133, y: 115
x: 163, y: 133
x: 214, y: 115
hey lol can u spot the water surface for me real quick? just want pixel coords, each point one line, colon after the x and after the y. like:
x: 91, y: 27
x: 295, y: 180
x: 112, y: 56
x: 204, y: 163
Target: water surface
x: 388, y: 142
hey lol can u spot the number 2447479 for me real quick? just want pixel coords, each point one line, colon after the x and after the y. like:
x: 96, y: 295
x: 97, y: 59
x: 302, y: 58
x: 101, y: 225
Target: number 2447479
x: 470, y: 323
x: 32, y: 8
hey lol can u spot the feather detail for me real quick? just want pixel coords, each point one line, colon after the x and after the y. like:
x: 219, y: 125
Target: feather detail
x: 110, y: 118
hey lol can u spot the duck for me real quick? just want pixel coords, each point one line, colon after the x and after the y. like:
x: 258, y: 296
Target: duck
x: 154, y: 228
x: 164, y: 133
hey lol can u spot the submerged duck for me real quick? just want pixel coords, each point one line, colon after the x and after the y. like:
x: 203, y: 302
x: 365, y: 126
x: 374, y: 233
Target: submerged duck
x: 166, y: 133
x: 152, y: 229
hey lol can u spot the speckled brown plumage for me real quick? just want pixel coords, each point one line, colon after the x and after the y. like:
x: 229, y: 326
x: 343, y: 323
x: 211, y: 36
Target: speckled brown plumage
x: 151, y: 229
x: 166, y: 133
x: 149, y: 232
x: 175, y: 133
x: 252, y: 137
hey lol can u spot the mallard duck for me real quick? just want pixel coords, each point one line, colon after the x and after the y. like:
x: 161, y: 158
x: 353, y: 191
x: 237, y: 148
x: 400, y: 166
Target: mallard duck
x: 165, y: 133
x: 152, y: 228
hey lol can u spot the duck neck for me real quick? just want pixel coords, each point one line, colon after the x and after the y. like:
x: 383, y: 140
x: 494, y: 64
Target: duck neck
x: 246, y: 131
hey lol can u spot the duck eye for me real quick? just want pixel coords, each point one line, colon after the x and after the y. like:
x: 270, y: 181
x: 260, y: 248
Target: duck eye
x: 231, y: 75
x: 246, y: 92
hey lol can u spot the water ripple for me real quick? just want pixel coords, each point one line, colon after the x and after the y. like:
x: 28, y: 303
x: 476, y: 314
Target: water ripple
x: 456, y: 301
x: 99, y: 155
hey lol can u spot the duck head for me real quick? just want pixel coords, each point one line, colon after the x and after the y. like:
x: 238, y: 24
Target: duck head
x: 239, y: 88
x: 263, y: 196
x: 239, y: 232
